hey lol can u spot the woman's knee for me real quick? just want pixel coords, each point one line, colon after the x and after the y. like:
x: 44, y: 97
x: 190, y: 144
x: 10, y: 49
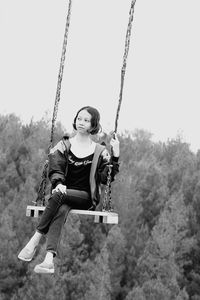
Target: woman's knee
x: 56, y: 198
x: 63, y: 209
x: 63, y: 212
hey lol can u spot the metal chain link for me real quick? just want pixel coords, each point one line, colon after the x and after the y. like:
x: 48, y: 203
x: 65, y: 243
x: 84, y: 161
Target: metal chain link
x: 60, y: 75
x: 107, y: 202
x: 42, y: 187
x: 123, y: 70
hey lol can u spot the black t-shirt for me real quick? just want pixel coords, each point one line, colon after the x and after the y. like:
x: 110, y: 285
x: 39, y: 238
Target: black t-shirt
x: 78, y: 172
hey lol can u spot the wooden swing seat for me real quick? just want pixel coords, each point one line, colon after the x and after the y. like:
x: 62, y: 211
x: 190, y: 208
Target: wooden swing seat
x: 99, y: 216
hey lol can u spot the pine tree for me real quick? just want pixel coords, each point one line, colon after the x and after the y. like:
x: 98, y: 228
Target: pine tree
x: 157, y: 269
x: 100, y: 285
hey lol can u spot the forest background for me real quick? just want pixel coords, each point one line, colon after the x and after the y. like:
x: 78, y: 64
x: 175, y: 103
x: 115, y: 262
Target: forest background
x: 152, y: 254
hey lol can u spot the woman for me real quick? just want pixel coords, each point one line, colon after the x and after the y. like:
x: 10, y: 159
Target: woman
x: 77, y: 168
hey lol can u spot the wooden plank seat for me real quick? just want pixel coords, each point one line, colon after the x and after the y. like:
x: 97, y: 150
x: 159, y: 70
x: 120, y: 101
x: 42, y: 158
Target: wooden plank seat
x: 99, y: 216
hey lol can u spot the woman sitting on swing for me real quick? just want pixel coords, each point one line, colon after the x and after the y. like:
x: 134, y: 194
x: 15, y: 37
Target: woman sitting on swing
x: 77, y: 167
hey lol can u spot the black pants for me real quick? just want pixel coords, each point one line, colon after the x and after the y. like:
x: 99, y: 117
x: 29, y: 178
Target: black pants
x: 55, y: 214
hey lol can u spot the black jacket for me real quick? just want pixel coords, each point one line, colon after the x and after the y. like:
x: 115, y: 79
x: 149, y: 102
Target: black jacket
x: 58, y: 167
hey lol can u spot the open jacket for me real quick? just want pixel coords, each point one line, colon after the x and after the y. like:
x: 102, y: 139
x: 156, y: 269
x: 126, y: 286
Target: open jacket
x: 58, y: 167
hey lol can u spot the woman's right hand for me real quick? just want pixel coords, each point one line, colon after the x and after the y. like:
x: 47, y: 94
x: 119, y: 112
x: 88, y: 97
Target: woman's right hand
x: 60, y: 188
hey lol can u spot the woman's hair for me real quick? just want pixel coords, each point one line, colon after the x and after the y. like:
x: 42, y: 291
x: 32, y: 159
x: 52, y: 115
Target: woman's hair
x: 95, y: 119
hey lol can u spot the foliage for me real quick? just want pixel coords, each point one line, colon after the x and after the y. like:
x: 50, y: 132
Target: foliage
x: 154, y: 252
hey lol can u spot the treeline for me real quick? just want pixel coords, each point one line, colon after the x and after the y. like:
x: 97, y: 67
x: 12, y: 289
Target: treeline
x: 154, y: 252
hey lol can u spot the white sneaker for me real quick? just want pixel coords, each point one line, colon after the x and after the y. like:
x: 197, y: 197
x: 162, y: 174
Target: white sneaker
x: 26, y: 254
x: 44, y: 268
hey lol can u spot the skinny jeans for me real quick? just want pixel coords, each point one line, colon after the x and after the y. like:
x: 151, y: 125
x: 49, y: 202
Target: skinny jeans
x: 56, y: 212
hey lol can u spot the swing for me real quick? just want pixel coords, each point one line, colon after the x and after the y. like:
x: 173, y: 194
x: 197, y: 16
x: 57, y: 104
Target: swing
x: 107, y: 215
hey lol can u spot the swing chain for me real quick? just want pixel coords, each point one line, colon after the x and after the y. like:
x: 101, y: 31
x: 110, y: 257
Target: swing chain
x: 125, y: 56
x: 107, y: 202
x: 60, y: 75
x: 42, y: 187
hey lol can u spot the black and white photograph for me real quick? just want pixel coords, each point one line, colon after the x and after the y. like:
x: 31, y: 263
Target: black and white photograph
x: 99, y: 150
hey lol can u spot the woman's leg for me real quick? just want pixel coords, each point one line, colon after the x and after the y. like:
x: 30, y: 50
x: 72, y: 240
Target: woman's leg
x: 73, y: 199
x: 55, y: 228
x: 52, y: 220
x: 53, y: 237
x: 77, y: 199
x: 56, y: 212
x: 54, y: 202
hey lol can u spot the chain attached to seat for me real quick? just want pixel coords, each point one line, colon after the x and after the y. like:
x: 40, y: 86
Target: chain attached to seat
x: 107, y: 201
x: 42, y: 187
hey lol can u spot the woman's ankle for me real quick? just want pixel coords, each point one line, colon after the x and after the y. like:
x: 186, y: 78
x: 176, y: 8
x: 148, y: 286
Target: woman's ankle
x: 34, y: 241
x: 36, y: 238
x: 49, y: 257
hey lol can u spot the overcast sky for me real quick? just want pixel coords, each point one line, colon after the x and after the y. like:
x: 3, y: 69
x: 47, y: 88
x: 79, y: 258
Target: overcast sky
x: 161, y: 92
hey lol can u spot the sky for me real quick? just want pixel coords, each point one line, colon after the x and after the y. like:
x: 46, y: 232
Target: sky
x: 161, y: 90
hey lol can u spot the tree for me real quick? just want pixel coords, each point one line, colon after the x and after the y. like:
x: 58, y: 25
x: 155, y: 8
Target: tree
x: 100, y: 286
x: 116, y: 246
x: 159, y: 263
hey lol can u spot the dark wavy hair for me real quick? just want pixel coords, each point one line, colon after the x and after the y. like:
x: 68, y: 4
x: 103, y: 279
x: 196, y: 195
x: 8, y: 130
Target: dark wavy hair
x: 95, y: 119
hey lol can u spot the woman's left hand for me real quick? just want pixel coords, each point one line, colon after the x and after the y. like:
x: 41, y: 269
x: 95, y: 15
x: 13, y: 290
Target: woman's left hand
x: 115, y: 145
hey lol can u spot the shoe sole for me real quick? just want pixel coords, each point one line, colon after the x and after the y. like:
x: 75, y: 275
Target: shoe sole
x: 26, y: 259
x: 43, y: 270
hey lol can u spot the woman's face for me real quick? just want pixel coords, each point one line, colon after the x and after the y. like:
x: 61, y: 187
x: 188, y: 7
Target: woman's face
x: 83, y: 121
